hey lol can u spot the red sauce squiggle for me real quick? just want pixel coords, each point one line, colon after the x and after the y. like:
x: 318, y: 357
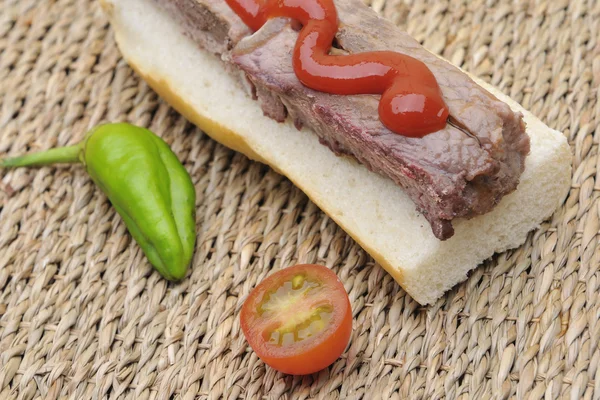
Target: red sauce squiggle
x: 411, y: 101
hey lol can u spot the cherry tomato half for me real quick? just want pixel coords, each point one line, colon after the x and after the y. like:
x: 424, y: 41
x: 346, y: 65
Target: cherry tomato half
x: 298, y: 320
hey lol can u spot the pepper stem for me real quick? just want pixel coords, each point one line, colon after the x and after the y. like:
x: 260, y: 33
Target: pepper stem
x: 69, y: 154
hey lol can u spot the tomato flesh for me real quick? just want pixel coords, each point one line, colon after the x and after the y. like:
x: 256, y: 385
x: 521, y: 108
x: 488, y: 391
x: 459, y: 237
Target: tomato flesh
x: 298, y: 320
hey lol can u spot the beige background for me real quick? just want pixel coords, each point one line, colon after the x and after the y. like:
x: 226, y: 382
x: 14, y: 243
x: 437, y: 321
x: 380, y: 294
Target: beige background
x: 83, y: 315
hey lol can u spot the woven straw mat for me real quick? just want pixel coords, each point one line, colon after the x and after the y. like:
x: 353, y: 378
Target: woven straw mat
x: 84, y: 316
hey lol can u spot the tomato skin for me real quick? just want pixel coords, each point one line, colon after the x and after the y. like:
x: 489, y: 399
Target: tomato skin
x: 311, y: 355
x: 318, y: 357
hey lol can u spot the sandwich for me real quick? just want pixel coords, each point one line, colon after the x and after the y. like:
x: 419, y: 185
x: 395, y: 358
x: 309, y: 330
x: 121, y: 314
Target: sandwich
x: 427, y: 206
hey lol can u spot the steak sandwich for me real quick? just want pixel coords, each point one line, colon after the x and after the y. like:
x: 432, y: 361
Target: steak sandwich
x: 427, y: 207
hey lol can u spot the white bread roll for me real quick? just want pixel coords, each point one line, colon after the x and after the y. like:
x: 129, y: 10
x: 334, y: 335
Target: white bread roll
x: 369, y: 207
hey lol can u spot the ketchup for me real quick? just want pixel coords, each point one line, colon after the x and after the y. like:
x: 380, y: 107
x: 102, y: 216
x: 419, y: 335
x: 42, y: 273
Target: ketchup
x: 411, y: 101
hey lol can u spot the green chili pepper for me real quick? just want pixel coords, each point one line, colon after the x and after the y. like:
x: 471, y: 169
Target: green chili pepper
x: 144, y: 181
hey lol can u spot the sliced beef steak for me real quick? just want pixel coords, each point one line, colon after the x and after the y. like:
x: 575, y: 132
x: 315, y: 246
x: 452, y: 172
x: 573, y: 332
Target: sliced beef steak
x: 461, y: 171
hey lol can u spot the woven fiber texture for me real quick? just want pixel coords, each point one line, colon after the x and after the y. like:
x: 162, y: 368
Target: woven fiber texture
x: 84, y: 316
